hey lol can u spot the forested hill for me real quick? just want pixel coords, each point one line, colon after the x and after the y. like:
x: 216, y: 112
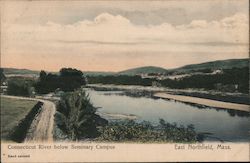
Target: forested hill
x: 20, y: 71
x: 143, y: 70
x: 220, y: 64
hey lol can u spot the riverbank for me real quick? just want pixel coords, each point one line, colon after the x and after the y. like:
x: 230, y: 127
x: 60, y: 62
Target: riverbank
x: 236, y: 97
x: 206, y: 102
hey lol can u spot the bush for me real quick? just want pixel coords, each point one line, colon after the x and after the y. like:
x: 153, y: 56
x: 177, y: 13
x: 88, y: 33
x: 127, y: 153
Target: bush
x: 77, y: 118
x: 20, y: 87
x: 146, y: 132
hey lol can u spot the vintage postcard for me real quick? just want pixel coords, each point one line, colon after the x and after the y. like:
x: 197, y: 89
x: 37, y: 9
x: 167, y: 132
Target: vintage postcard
x: 124, y: 81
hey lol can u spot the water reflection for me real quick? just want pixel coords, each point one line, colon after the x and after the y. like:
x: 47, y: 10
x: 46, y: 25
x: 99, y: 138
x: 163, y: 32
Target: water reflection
x: 150, y: 94
x: 224, y: 125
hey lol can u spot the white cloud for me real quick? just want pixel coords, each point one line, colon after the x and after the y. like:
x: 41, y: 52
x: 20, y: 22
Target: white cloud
x: 115, y: 28
x: 114, y: 34
x: 198, y: 24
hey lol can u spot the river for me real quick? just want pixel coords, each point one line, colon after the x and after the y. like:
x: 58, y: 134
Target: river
x: 226, y: 125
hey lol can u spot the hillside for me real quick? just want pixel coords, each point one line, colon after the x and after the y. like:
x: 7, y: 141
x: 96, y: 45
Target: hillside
x: 16, y: 71
x: 143, y: 70
x: 220, y: 64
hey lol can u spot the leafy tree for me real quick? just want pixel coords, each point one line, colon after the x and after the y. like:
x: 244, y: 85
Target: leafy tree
x: 43, y: 75
x: 68, y: 80
x: 71, y: 79
x: 2, y: 76
x: 20, y: 87
x: 77, y: 118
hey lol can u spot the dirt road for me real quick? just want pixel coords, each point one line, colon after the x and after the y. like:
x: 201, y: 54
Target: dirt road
x: 206, y: 102
x: 41, y: 129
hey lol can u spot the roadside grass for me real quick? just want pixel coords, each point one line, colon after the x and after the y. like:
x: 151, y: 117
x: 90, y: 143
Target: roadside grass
x: 12, y: 111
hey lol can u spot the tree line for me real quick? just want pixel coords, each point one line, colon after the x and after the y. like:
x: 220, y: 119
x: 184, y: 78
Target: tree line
x: 234, y: 76
x: 67, y: 79
x: 120, y: 80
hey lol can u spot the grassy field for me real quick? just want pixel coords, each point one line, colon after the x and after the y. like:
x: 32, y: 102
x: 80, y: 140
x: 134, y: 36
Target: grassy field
x: 12, y: 111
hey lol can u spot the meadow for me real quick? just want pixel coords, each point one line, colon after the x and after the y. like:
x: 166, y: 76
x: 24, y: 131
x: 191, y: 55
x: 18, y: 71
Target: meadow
x: 12, y: 112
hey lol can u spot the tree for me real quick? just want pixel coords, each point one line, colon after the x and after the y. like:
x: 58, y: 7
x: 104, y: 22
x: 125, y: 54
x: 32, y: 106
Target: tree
x: 68, y: 80
x: 2, y: 76
x: 20, y: 87
x: 71, y: 79
x: 43, y: 75
x: 76, y: 116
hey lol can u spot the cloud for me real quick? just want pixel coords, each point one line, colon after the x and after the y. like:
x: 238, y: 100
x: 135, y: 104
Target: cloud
x: 116, y: 28
x: 109, y: 36
x: 151, y: 12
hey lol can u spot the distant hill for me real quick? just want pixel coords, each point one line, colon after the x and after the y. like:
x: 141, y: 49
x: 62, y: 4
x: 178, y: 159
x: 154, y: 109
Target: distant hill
x: 16, y: 71
x: 143, y: 70
x: 220, y: 64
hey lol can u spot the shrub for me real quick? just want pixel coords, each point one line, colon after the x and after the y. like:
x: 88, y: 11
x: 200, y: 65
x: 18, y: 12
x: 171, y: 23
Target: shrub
x: 20, y: 87
x: 146, y: 132
x: 76, y: 117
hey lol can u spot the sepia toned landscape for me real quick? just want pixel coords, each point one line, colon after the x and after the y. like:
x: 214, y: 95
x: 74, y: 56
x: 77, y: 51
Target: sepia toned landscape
x: 121, y: 72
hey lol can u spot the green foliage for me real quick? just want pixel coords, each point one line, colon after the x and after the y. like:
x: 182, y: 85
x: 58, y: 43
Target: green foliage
x: 214, y: 65
x: 20, y: 71
x: 76, y: 117
x: 234, y: 76
x: 120, y: 80
x: 68, y: 80
x: 20, y: 87
x: 71, y: 79
x: 143, y: 70
x: 239, y: 76
x: 47, y: 83
x: 13, y: 111
x: 2, y: 76
x: 77, y: 120
x: 146, y: 132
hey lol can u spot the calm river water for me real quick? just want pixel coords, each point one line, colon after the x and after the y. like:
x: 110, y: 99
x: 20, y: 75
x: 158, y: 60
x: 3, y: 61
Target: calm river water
x: 225, y: 125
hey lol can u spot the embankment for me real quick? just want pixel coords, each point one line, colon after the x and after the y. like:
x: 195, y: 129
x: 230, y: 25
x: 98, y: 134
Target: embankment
x: 20, y: 131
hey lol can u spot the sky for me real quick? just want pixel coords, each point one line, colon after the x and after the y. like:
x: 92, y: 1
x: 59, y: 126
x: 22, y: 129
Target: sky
x: 117, y: 35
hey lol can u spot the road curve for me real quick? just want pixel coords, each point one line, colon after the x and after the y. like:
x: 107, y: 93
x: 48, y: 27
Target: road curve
x: 41, y: 129
x: 206, y: 102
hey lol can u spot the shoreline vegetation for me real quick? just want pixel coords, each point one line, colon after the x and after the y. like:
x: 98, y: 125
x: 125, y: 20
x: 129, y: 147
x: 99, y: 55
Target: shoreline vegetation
x: 213, y: 99
x: 224, y: 80
x: 76, y: 119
